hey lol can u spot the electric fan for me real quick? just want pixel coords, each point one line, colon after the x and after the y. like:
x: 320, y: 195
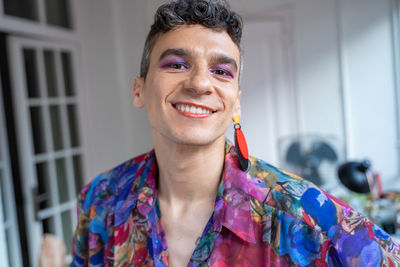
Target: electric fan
x: 312, y: 157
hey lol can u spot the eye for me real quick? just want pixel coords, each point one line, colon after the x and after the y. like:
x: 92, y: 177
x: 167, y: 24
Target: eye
x: 178, y: 66
x: 221, y: 71
x: 174, y: 63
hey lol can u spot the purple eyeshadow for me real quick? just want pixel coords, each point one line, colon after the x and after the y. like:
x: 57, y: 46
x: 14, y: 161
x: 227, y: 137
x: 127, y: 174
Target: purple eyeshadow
x: 168, y: 61
x: 224, y: 67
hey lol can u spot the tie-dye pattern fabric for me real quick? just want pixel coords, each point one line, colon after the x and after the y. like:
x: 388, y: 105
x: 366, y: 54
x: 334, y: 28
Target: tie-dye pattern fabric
x: 265, y: 217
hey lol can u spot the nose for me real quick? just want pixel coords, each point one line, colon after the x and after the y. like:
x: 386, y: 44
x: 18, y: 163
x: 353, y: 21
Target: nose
x: 199, y: 82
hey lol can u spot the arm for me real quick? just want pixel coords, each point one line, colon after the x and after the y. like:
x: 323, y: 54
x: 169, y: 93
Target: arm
x: 357, y: 241
x: 80, y: 240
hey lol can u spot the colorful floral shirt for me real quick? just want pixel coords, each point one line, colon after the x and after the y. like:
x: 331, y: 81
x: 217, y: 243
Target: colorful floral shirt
x: 263, y: 217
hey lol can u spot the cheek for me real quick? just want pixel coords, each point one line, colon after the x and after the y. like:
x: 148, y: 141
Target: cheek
x: 151, y: 98
x: 156, y: 94
x: 230, y: 98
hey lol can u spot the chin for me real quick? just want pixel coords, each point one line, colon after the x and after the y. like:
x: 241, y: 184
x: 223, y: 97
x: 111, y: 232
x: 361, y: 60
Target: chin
x: 198, y: 139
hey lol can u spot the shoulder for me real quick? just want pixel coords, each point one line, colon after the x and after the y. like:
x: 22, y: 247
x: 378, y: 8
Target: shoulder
x: 294, y: 195
x: 107, y: 185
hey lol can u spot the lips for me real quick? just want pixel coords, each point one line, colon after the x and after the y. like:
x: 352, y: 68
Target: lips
x: 193, y: 110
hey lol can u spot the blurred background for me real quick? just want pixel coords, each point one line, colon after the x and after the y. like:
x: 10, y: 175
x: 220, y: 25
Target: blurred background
x: 320, y: 89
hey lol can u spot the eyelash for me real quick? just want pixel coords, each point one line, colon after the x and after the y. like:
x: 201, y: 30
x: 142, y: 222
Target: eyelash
x: 224, y: 72
x: 174, y: 65
x: 214, y: 70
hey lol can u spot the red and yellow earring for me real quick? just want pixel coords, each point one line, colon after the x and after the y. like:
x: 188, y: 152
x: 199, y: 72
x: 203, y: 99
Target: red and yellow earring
x: 241, y: 145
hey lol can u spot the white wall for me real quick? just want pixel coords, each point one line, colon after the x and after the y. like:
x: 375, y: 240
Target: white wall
x: 368, y: 81
x: 341, y: 62
x: 111, y: 35
x: 132, y: 24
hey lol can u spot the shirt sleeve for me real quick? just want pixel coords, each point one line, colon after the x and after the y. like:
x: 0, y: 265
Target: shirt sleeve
x: 357, y: 241
x: 80, y: 240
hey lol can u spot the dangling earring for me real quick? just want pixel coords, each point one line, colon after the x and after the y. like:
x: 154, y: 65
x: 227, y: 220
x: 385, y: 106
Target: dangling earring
x: 241, y: 145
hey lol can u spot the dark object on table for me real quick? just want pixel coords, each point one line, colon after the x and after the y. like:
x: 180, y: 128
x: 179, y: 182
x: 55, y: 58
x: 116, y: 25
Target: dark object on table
x: 389, y: 227
x: 359, y: 177
x: 353, y: 175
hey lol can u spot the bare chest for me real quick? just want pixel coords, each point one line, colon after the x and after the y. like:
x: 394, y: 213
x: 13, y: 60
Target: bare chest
x: 182, y: 235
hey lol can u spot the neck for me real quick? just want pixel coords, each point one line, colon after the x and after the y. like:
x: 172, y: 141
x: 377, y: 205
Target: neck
x: 189, y: 173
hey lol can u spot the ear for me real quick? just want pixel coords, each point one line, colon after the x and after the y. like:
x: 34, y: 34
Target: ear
x: 137, y: 92
x: 237, y: 110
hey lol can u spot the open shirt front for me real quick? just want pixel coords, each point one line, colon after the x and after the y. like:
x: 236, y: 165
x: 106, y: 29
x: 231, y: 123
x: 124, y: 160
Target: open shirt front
x: 263, y: 217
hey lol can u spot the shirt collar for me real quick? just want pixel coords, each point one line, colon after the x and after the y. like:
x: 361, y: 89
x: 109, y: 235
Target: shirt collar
x: 136, y: 187
x: 232, y: 207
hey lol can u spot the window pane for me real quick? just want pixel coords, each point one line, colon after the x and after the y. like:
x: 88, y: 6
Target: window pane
x: 62, y: 180
x: 50, y: 68
x: 73, y: 125
x: 38, y: 130
x: 31, y: 73
x: 43, y: 180
x: 57, y: 13
x: 67, y: 229
x: 48, y: 226
x: 3, y: 196
x: 55, y: 119
x: 67, y: 71
x: 21, y: 8
x: 77, y: 162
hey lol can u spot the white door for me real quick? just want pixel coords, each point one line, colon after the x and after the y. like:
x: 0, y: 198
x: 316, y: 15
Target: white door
x: 45, y: 88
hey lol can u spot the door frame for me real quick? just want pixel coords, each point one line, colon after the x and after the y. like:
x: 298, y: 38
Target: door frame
x: 11, y: 222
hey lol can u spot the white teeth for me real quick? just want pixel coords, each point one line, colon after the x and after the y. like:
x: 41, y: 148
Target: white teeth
x: 192, y: 109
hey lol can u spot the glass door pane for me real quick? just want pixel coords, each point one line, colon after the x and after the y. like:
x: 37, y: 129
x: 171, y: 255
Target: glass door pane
x: 30, y: 60
x: 73, y: 125
x: 58, y: 13
x: 55, y: 119
x: 66, y: 219
x: 68, y: 73
x: 27, y: 9
x: 38, y: 130
x: 51, y: 78
x: 44, y: 186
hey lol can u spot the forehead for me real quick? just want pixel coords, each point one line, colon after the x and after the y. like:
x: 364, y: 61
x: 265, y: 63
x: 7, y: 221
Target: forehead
x: 200, y: 40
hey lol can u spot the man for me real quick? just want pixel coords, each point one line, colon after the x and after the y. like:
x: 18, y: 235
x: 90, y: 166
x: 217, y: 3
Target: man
x: 188, y: 202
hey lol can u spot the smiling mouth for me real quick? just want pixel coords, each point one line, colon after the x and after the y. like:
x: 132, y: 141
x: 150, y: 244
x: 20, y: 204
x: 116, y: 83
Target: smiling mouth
x: 193, y: 109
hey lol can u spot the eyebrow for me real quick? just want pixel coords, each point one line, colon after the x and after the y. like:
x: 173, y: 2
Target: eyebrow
x: 220, y: 58
x: 180, y: 52
x: 174, y: 52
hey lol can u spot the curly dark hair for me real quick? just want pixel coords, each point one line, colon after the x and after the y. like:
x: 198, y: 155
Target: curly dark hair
x: 213, y: 14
